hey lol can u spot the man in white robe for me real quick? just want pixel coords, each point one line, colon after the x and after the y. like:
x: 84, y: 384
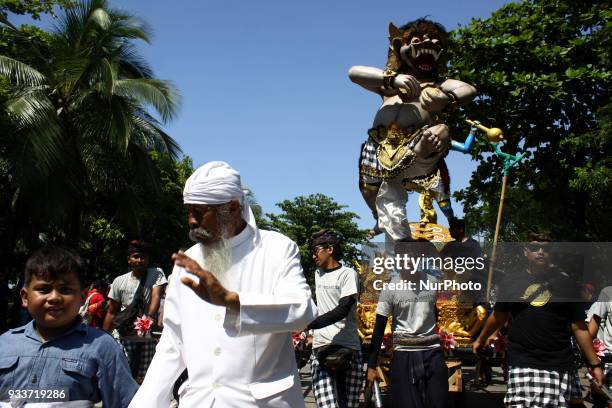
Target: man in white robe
x: 230, y: 327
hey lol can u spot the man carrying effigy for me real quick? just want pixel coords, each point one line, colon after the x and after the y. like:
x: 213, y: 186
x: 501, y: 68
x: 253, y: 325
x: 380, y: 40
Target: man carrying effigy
x: 407, y: 142
x: 419, y: 377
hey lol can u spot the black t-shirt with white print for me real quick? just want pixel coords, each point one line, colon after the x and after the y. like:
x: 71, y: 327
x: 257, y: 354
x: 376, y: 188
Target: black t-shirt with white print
x: 542, y: 310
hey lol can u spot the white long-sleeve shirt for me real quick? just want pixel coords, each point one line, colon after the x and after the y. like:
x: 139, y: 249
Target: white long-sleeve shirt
x: 235, y: 359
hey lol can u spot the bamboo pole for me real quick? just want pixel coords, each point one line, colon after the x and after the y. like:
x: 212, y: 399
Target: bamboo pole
x: 496, y: 236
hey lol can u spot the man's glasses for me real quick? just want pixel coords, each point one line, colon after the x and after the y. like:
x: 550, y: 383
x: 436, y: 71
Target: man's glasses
x: 536, y: 247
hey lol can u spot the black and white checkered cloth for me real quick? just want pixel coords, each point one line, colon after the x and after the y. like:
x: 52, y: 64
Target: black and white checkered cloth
x: 147, y: 350
x: 576, y: 389
x: 367, y: 158
x: 530, y: 387
x: 323, y: 387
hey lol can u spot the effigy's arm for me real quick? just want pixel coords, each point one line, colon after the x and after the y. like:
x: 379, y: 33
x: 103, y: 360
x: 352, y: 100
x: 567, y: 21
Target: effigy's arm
x: 449, y: 95
x: 370, y: 78
x: 465, y: 146
x: 385, y: 83
x: 460, y: 92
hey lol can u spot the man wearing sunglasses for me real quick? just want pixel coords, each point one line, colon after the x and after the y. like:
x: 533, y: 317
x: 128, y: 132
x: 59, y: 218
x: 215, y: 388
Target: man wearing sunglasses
x: 337, y: 373
x: 543, y: 307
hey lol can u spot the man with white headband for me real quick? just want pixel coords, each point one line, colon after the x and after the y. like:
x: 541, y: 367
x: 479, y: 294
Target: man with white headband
x: 232, y: 302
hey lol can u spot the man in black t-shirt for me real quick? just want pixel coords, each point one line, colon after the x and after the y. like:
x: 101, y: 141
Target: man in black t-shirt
x: 543, y: 307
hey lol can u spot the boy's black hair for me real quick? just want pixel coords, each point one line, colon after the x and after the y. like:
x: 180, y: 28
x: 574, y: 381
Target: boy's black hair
x: 52, y: 261
x: 141, y: 247
x: 539, y: 236
x: 99, y: 285
x: 327, y: 238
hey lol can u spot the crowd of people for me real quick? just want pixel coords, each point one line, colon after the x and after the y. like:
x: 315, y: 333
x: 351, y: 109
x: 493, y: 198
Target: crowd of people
x: 223, y: 320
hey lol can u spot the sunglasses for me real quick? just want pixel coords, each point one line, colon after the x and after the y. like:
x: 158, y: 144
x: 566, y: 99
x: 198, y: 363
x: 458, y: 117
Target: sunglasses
x: 537, y: 247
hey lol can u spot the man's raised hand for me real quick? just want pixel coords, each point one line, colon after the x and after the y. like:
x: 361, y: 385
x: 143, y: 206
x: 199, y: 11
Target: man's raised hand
x: 209, y: 288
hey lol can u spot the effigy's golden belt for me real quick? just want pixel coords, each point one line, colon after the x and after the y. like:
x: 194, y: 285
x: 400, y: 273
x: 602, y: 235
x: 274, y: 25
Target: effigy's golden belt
x: 395, y: 145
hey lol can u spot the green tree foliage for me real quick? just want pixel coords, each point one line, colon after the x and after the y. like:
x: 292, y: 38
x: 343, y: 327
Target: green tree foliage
x: 164, y: 221
x: 81, y: 122
x: 305, y: 215
x: 542, y: 71
x: 34, y: 8
x: 83, y: 159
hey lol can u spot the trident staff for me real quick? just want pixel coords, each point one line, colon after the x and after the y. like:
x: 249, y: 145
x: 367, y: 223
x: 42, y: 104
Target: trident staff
x: 495, y: 135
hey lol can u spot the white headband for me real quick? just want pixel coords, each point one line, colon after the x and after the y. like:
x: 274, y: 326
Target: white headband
x: 213, y: 183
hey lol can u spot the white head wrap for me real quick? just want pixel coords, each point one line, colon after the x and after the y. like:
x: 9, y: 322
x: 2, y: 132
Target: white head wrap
x: 215, y: 183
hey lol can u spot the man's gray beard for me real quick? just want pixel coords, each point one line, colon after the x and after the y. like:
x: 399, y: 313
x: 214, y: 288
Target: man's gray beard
x: 218, y: 259
x: 217, y: 256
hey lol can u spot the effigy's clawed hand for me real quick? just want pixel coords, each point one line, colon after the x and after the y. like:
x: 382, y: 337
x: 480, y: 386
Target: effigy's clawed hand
x: 433, y: 99
x: 208, y: 288
x: 434, y: 140
x: 409, y: 83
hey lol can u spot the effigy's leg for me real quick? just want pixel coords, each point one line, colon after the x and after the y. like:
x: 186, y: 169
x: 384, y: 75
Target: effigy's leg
x: 446, y: 208
x: 428, y: 213
x: 369, y: 191
x: 391, y: 206
x: 368, y: 184
x: 443, y: 195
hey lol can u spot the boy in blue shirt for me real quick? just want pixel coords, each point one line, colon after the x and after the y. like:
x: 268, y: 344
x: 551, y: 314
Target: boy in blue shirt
x: 56, y: 355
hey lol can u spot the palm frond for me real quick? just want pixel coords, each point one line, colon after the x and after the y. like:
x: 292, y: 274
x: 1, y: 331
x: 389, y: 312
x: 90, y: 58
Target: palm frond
x: 70, y: 71
x: 120, y: 124
x: 19, y: 73
x: 131, y: 64
x: 160, y: 94
x: 126, y: 26
x: 37, y: 125
x: 143, y: 169
x: 106, y: 82
x: 149, y: 132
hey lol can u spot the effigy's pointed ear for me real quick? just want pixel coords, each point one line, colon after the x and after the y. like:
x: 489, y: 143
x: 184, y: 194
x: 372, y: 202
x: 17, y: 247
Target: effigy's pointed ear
x: 394, y: 32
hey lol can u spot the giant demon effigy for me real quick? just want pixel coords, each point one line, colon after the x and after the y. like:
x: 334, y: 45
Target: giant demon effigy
x: 407, y: 143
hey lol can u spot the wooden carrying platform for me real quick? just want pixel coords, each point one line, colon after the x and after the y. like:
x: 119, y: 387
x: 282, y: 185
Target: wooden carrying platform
x: 455, y: 379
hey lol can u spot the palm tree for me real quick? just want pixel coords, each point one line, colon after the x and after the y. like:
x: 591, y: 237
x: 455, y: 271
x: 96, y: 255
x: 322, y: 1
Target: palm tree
x: 81, y: 126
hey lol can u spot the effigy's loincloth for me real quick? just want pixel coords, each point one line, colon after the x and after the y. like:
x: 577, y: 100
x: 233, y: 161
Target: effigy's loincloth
x: 429, y: 182
x: 388, y: 151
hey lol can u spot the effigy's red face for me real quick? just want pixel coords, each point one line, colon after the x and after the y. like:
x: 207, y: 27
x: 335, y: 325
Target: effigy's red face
x: 422, y: 48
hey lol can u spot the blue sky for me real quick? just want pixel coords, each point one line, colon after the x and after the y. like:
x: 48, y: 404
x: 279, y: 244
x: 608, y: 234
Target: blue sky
x: 265, y: 86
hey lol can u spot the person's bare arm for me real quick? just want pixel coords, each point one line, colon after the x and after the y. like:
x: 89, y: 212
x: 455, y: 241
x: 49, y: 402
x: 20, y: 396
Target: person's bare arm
x: 585, y: 342
x: 495, y: 322
x: 156, y: 295
x: 113, y: 308
x: 594, y: 325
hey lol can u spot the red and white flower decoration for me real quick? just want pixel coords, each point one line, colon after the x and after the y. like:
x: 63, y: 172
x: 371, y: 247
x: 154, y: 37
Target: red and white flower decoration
x: 298, y: 339
x: 500, y: 344
x: 600, y: 347
x: 387, y: 342
x: 142, y: 325
x: 447, y: 340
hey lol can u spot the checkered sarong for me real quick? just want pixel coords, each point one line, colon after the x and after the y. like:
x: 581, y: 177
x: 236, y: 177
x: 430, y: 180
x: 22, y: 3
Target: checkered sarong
x: 369, y: 167
x: 323, y: 386
x: 530, y: 388
x: 147, y: 350
x: 576, y: 389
